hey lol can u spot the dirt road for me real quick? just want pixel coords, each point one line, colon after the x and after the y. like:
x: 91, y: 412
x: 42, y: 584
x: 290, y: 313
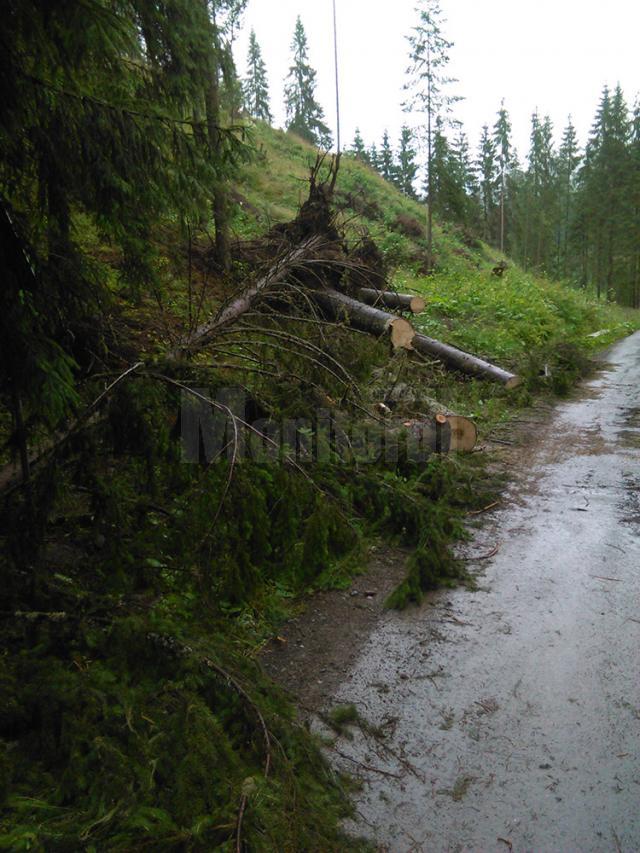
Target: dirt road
x: 512, y: 714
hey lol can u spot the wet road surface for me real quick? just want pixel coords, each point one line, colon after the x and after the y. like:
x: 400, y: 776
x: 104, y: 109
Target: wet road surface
x: 512, y: 714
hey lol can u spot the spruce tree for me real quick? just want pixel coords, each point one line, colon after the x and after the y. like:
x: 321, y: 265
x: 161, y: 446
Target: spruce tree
x: 374, y: 157
x: 567, y: 165
x: 540, y: 181
x: 358, y: 147
x: 95, y: 120
x: 304, y: 114
x: 256, y: 87
x: 449, y: 197
x: 488, y: 176
x: 386, y: 164
x: 467, y: 178
x: 427, y: 86
x: 605, y: 205
x: 407, y: 168
x: 635, y: 207
x: 502, y: 140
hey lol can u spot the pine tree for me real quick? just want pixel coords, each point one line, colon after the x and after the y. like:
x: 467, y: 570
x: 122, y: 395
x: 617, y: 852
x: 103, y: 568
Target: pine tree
x: 427, y: 85
x: 386, y: 163
x: 304, y: 114
x: 256, y: 87
x: 502, y: 141
x: 407, y: 168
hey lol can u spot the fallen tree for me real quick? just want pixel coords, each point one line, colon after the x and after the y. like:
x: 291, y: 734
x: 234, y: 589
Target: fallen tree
x: 338, y: 306
x: 463, y: 361
x: 368, y: 318
x: 276, y: 275
x: 393, y: 300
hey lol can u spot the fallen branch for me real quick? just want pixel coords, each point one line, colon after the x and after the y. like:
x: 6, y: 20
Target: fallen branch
x: 484, y: 508
x: 367, y: 767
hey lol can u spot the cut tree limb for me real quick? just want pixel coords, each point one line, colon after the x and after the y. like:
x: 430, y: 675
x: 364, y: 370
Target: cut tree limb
x: 390, y: 299
x: 464, y: 361
x: 367, y: 318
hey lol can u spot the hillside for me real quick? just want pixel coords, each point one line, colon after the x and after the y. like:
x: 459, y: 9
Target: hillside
x: 519, y: 320
x: 141, y: 589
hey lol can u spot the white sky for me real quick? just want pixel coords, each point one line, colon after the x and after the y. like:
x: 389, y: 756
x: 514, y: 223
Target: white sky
x: 553, y: 55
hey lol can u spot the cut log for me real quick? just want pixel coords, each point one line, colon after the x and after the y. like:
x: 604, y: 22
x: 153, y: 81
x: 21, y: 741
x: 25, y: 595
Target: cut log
x: 366, y: 318
x: 390, y: 299
x: 464, y: 361
x: 464, y: 434
x: 441, y: 434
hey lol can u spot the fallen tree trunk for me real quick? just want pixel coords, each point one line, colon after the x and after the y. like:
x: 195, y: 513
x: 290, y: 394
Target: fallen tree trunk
x: 390, y: 299
x: 464, y: 361
x: 367, y: 318
x: 230, y: 312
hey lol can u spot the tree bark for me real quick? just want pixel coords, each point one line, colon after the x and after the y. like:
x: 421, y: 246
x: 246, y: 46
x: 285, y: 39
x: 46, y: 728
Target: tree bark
x: 390, y: 299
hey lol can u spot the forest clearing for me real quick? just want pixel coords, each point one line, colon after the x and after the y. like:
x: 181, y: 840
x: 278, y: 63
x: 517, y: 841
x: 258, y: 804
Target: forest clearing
x: 270, y: 408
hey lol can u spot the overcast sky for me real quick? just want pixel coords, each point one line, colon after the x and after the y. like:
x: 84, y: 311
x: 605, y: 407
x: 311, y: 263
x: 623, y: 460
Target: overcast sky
x: 550, y: 55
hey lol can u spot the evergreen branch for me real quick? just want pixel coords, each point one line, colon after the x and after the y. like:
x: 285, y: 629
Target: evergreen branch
x: 83, y: 97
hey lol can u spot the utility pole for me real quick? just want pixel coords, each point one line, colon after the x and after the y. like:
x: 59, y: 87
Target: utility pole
x: 335, y: 56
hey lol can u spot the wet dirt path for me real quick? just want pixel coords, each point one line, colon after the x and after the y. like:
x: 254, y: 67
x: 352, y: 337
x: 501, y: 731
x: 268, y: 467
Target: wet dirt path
x: 512, y: 714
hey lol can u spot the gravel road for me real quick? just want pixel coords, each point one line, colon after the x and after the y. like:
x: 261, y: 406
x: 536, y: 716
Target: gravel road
x: 512, y: 714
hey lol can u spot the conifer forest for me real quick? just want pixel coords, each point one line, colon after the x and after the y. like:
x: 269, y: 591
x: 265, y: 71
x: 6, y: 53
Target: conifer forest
x: 241, y: 363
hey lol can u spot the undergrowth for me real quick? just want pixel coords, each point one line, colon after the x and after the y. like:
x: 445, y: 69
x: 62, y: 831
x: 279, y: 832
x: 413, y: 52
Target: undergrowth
x: 135, y: 606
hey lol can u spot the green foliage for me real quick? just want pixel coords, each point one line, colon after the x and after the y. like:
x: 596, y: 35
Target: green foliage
x: 305, y: 116
x: 256, y: 87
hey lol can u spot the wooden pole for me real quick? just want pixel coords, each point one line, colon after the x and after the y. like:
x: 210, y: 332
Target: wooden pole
x: 335, y: 57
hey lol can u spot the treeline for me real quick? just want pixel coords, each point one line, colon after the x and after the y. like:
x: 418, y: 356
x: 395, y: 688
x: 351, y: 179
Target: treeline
x: 566, y: 211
